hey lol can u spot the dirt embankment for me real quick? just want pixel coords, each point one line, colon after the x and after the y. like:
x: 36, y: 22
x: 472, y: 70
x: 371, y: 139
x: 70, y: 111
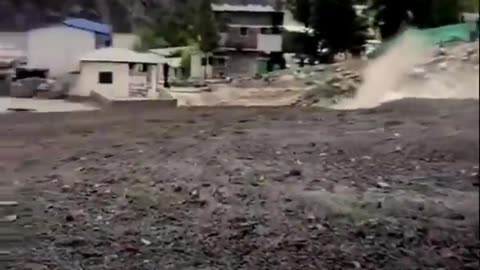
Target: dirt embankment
x: 395, y: 187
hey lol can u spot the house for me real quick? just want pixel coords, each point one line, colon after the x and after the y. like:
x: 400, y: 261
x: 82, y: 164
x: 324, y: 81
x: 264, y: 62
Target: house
x: 58, y: 47
x: 14, y: 39
x: 117, y: 73
x: 250, y: 40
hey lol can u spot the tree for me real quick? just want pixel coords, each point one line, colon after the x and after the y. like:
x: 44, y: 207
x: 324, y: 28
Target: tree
x: 301, y: 10
x: 337, y: 24
x: 392, y: 15
x: 469, y: 5
x: 206, y: 28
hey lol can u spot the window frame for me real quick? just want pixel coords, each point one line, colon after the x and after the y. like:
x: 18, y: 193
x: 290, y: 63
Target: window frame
x: 105, y: 81
x: 243, y: 31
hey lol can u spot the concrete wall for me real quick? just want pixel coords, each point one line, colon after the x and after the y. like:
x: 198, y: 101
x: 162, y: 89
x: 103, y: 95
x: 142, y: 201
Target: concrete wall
x: 237, y: 64
x: 197, y: 70
x: 58, y: 48
x: 247, y: 18
x: 241, y: 64
x: 269, y: 43
x: 88, y: 80
x: 234, y: 39
x: 124, y: 40
x: 253, y: 40
x: 17, y: 40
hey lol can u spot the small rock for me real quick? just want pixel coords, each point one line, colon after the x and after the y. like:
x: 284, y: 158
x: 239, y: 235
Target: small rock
x: 176, y: 188
x: 195, y: 194
x: 320, y: 227
x: 69, y: 218
x: 8, y: 203
x: 146, y: 242
x: 66, y: 188
x: 379, y: 205
x: 72, y: 242
x: 456, y: 216
x: 443, y: 65
x: 357, y: 265
x: 383, y: 185
x: 34, y: 266
x: 295, y: 172
x: 9, y: 218
x: 90, y: 253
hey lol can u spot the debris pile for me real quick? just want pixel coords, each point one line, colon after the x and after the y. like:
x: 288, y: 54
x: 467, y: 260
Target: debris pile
x: 450, y: 72
x: 341, y: 82
x: 460, y: 57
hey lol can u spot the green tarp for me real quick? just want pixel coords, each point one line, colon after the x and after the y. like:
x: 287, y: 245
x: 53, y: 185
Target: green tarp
x: 440, y: 35
x: 449, y: 33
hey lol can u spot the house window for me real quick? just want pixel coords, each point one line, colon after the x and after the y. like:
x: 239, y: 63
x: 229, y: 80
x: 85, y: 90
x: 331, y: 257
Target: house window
x: 265, y: 30
x: 204, y: 61
x: 243, y: 31
x: 222, y: 62
x: 105, y: 77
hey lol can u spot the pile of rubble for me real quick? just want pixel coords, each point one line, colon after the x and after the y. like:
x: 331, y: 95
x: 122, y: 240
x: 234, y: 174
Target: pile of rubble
x: 444, y: 59
x: 337, y: 81
x: 445, y: 64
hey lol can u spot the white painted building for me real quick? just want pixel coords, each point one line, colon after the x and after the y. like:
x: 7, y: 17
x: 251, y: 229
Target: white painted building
x: 125, y: 40
x: 17, y: 40
x: 58, y: 48
x: 117, y: 73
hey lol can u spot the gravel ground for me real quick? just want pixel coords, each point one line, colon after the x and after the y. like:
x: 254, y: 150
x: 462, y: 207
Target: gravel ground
x: 395, y: 187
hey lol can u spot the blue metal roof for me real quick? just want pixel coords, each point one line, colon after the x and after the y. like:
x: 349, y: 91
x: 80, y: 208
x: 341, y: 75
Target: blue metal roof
x: 83, y: 24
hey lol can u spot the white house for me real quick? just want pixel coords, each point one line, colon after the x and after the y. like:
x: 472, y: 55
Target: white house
x: 117, y: 73
x: 58, y: 47
x: 125, y: 40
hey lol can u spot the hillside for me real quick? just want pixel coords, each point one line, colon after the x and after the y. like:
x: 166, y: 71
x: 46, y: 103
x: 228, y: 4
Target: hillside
x: 124, y: 15
x: 27, y: 14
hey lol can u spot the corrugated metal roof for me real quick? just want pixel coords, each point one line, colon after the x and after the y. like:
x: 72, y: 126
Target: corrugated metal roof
x: 83, y: 24
x: 120, y: 55
x: 243, y: 8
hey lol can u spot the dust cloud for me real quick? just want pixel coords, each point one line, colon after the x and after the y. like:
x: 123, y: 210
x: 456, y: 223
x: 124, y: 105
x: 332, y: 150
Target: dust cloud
x: 408, y: 70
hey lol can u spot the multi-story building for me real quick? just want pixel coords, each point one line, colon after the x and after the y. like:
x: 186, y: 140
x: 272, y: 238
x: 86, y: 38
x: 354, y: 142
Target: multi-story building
x: 250, y: 39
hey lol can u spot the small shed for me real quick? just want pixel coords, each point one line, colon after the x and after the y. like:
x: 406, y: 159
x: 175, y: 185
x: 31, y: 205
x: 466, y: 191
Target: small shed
x: 118, y: 73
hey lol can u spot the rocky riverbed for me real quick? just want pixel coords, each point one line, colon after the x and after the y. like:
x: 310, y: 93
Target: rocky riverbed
x: 395, y: 187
